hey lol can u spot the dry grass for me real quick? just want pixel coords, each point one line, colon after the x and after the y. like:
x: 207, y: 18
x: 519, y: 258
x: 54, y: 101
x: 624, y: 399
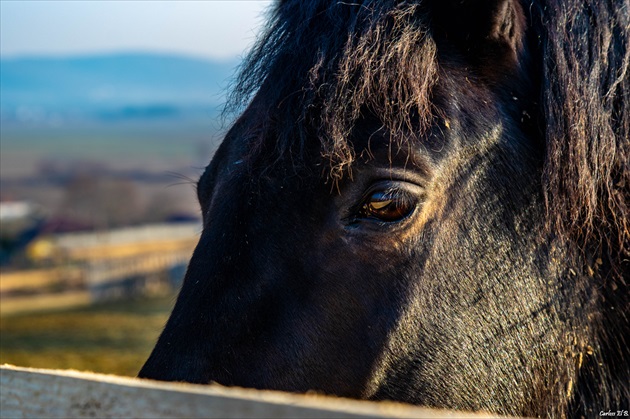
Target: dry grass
x: 113, y: 338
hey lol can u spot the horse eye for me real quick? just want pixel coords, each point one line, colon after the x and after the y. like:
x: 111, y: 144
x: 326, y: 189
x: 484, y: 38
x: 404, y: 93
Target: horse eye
x: 387, y: 206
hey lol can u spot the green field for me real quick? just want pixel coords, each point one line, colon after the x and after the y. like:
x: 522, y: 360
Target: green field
x: 114, y: 338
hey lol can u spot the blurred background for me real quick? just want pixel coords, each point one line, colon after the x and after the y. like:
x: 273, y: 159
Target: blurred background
x: 109, y: 111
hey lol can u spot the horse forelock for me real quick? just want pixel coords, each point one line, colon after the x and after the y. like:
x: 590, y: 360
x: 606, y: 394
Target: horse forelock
x: 321, y: 66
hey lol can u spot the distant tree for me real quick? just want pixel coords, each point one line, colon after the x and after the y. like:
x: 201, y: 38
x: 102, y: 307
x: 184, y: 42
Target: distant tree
x: 120, y: 202
x: 104, y: 203
x: 167, y: 203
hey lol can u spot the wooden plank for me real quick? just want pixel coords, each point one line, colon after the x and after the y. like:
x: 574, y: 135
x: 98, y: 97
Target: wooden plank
x: 114, y: 251
x: 37, y: 393
x: 45, y: 302
x: 38, y: 278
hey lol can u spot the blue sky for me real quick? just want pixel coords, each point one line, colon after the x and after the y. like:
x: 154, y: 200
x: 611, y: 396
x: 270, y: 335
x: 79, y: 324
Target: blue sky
x: 203, y: 28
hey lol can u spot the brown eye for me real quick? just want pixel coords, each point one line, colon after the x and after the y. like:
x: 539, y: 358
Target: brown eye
x: 388, y: 206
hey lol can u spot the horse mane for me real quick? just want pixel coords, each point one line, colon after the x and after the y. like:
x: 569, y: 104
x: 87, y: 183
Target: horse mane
x: 585, y: 74
x: 585, y: 50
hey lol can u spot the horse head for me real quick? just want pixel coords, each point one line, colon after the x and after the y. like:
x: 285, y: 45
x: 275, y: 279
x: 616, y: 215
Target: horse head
x: 397, y: 214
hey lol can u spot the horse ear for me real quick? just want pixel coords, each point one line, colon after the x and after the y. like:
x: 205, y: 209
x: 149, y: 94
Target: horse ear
x: 480, y: 26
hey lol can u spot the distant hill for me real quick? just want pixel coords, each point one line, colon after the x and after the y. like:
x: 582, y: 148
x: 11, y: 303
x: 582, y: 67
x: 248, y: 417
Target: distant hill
x: 117, y: 86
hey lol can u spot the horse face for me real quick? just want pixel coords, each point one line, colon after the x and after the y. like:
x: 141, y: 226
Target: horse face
x: 422, y: 276
x: 405, y: 281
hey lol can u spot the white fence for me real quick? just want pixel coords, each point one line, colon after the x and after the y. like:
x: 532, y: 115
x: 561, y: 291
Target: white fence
x: 37, y: 393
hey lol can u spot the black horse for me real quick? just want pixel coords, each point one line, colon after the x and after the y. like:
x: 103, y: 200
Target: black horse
x: 424, y: 201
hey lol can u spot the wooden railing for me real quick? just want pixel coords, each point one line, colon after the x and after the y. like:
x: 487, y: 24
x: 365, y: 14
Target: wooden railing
x: 38, y: 393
